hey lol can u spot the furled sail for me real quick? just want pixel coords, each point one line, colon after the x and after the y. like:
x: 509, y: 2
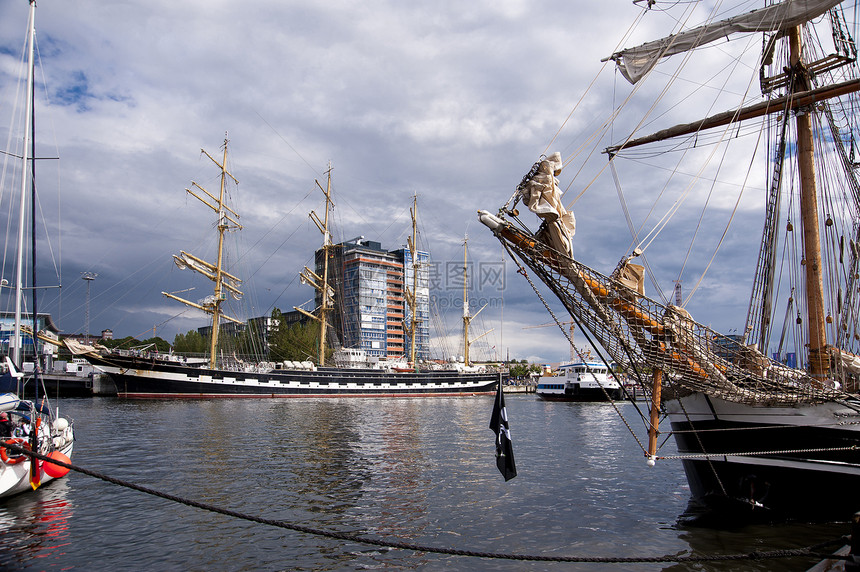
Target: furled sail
x: 634, y: 63
x: 542, y: 196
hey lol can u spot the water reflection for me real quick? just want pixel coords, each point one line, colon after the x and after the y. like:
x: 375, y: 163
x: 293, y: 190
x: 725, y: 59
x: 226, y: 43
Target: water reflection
x: 409, y: 469
x: 34, y: 527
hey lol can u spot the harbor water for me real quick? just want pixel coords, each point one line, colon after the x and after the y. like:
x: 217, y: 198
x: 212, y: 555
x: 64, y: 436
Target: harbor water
x: 420, y: 471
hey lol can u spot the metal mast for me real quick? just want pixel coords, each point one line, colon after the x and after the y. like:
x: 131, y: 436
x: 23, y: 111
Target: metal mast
x: 19, y: 272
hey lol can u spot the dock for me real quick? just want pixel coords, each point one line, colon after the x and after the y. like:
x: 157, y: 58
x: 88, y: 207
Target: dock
x: 517, y: 388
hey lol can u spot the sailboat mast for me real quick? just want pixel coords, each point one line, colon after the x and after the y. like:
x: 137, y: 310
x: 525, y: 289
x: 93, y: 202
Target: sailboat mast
x: 324, y: 307
x: 818, y: 359
x: 34, y: 305
x: 413, y: 251
x: 219, y: 278
x: 19, y: 272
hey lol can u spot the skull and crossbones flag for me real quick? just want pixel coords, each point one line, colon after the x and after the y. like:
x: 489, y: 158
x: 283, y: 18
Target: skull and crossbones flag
x: 504, y: 448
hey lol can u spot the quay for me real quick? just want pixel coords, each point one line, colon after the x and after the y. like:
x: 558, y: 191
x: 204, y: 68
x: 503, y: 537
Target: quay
x: 519, y: 388
x: 75, y: 379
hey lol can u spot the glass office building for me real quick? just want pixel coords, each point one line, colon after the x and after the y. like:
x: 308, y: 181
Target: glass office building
x: 371, y: 311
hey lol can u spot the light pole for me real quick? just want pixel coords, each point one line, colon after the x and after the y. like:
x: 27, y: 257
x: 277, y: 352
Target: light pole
x: 89, y: 277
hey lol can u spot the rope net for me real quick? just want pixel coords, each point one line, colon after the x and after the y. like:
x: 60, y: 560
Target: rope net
x: 641, y: 334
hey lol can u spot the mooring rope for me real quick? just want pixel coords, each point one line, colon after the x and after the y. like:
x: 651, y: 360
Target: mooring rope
x: 809, y: 551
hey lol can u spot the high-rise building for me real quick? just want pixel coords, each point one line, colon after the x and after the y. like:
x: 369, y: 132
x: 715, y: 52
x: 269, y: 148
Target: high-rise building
x: 371, y: 310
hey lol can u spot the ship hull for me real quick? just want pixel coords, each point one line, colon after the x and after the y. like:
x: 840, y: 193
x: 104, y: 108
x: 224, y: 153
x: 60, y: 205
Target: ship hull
x: 584, y: 395
x: 773, y: 462
x: 148, y: 379
x: 15, y: 479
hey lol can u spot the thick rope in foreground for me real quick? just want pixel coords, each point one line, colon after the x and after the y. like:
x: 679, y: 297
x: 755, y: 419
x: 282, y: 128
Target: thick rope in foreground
x: 810, y: 551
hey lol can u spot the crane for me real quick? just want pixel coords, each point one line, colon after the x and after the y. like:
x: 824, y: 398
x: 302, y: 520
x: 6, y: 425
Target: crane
x: 572, y: 325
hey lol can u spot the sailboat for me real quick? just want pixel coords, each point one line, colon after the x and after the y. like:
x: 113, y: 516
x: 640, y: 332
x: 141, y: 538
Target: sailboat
x: 28, y: 424
x: 758, y: 434
x: 143, y: 375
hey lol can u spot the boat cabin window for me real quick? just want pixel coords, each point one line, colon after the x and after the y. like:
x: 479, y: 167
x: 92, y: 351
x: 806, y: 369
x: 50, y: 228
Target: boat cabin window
x: 583, y: 369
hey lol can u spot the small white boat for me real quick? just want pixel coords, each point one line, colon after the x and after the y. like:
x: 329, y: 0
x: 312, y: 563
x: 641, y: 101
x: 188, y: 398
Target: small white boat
x: 35, y: 429
x: 581, y: 381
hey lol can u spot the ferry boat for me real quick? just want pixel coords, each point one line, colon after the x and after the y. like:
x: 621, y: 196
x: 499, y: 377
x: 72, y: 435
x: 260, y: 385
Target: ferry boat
x: 580, y: 381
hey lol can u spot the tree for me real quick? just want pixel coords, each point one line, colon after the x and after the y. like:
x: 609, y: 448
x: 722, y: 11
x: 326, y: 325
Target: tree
x: 161, y: 344
x: 125, y: 342
x: 190, y: 343
x: 294, y: 342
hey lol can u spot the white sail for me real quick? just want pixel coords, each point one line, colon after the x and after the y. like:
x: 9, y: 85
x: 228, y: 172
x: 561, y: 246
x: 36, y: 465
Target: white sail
x: 543, y: 197
x: 634, y: 63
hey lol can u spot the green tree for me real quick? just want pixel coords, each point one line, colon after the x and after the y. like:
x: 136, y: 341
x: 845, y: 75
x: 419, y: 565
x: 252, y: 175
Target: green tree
x: 294, y: 342
x: 126, y: 342
x: 161, y: 344
x: 191, y: 343
x: 518, y: 369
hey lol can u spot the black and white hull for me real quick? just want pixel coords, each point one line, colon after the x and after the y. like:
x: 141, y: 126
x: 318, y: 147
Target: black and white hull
x: 137, y: 377
x: 576, y: 393
x: 799, y: 461
x: 580, y: 381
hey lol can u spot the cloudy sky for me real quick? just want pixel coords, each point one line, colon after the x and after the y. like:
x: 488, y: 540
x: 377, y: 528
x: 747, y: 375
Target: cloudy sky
x: 450, y: 101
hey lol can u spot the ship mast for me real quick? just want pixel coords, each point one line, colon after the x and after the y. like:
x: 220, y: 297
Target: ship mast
x: 224, y: 281
x: 467, y: 319
x: 320, y: 283
x: 818, y: 358
x: 800, y: 99
x: 411, y: 295
x: 219, y: 277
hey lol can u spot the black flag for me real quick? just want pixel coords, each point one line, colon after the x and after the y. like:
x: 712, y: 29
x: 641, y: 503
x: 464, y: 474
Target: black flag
x: 504, y: 448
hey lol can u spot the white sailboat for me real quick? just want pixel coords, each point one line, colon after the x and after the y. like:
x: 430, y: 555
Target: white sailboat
x: 28, y: 424
x: 755, y: 435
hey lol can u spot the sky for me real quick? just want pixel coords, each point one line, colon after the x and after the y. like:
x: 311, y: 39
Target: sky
x: 450, y: 101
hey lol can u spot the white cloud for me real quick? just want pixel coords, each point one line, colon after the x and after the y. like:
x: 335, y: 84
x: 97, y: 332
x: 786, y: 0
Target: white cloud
x: 453, y: 101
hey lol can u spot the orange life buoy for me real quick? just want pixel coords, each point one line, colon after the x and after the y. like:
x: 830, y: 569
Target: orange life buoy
x: 4, y: 452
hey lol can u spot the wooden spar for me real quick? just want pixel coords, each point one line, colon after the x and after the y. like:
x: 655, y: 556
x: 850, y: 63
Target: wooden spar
x: 324, y: 309
x: 199, y: 307
x: 777, y: 105
x: 214, y: 272
x: 654, y: 427
x: 413, y: 251
x: 222, y: 228
x: 320, y: 283
x: 466, y: 318
x: 818, y: 359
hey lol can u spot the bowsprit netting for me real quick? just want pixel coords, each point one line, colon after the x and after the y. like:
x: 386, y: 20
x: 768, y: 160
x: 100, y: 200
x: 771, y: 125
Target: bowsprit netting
x: 641, y: 334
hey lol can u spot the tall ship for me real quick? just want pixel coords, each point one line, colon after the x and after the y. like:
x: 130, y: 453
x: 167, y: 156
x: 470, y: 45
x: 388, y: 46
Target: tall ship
x: 761, y: 430
x: 151, y: 375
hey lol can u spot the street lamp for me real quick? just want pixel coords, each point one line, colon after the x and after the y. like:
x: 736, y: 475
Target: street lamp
x: 89, y: 277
